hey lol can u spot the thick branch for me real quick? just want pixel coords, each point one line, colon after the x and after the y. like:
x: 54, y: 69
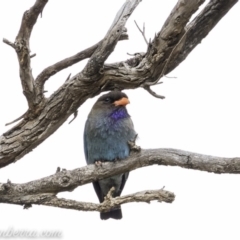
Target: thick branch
x: 43, y: 191
x: 65, y: 63
x: 150, y: 68
x: 23, y: 51
x: 106, y: 47
x: 170, y: 46
x: 199, y: 28
x: 57, y: 67
x: 133, y: 73
x: 69, y: 180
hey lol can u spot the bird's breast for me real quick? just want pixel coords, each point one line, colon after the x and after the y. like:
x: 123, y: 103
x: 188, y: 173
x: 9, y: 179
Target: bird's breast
x: 108, y: 139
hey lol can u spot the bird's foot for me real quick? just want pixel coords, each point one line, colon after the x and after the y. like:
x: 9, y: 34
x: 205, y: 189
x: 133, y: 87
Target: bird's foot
x: 115, y: 160
x: 98, y: 163
x: 133, y: 146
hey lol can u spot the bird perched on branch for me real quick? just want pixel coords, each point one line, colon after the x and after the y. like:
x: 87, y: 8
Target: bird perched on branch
x: 107, y: 132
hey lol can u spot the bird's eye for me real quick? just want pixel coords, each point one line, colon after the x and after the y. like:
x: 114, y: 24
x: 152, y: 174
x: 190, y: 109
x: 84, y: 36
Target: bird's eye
x: 107, y: 100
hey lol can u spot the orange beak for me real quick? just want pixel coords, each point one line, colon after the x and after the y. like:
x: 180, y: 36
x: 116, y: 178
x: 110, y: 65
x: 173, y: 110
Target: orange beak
x: 122, y: 102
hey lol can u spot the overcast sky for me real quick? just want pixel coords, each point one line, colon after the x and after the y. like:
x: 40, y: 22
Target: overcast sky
x: 200, y: 114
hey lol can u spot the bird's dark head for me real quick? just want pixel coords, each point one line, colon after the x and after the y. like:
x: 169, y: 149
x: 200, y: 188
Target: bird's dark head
x: 113, y: 99
x: 111, y: 104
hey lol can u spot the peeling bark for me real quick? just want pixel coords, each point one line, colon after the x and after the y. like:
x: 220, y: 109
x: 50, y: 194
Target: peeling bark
x: 171, y: 45
x: 43, y: 191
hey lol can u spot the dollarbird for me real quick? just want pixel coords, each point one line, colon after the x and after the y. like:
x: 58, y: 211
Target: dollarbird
x: 108, y: 130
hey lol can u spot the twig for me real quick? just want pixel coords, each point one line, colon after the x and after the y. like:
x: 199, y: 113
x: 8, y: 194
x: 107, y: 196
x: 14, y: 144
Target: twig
x: 158, y: 83
x: 68, y: 77
x: 74, y: 116
x: 169, y: 76
x: 22, y: 116
x: 106, y: 47
x: 130, y: 54
x: 172, y: 52
x: 148, y: 84
x: 110, y: 202
x: 9, y: 43
x: 142, y: 31
x: 148, y: 89
x: 137, y: 54
x: 167, y: 62
x: 33, y: 55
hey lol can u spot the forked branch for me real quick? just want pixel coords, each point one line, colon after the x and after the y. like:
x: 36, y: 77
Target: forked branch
x: 43, y: 191
x: 106, y: 47
x: 167, y: 50
x: 109, y: 203
x: 22, y: 47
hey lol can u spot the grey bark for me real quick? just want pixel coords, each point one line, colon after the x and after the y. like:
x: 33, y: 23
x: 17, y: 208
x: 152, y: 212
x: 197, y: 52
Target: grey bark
x: 44, y: 191
x: 171, y: 45
x: 166, y: 51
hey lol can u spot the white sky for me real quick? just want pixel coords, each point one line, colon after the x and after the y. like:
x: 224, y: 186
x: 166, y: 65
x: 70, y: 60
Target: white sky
x: 200, y: 114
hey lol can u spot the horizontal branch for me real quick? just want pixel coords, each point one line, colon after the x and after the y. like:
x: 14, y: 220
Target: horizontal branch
x: 69, y: 180
x: 110, y: 202
x: 48, y: 199
x: 43, y: 191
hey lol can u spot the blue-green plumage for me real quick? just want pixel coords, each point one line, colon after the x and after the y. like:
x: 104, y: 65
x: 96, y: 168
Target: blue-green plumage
x: 107, y: 132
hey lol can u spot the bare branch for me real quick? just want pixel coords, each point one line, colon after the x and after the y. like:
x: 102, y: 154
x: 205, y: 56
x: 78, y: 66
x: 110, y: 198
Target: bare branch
x: 129, y: 74
x: 148, y: 89
x: 43, y: 191
x: 95, y: 63
x: 65, y: 63
x: 199, y: 28
x: 168, y: 77
x: 154, y: 64
x: 173, y: 53
x: 68, y: 77
x: 69, y: 180
x: 23, y: 51
x: 142, y: 31
x: 57, y: 67
x: 109, y: 203
x: 48, y: 199
x: 9, y: 43
x: 19, y: 118
x: 33, y: 55
x: 74, y: 117
x: 161, y: 48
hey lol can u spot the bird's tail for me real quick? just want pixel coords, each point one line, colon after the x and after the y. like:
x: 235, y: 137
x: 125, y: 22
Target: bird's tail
x: 115, y: 214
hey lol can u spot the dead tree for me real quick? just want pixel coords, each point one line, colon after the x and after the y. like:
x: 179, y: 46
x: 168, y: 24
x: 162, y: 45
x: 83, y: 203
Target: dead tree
x: 170, y: 46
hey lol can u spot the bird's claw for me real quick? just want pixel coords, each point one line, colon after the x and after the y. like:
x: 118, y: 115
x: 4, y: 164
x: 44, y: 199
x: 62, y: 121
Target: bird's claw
x: 98, y: 163
x: 133, y: 146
